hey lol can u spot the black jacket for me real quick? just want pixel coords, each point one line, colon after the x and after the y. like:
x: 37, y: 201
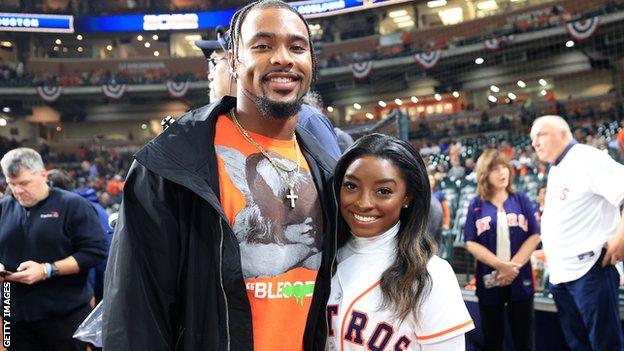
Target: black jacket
x: 174, y: 278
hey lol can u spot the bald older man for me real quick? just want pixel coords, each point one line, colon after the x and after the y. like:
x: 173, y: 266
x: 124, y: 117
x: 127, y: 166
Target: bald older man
x: 582, y: 235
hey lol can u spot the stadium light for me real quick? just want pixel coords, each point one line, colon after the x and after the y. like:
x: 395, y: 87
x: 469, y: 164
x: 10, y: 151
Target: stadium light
x: 155, y: 36
x: 479, y: 60
x: 56, y: 48
x: 451, y: 16
x: 543, y: 82
x: 456, y: 94
x: 414, y: 99
x: 80, y: 49
x: 487, y: 5
x: 398, y: 101
x: 437, y: 96
x: 59, y: 129
x: 147, y: 44
x: 139, y: 37
x: 511, y: 95
x: 6, y: 44
x: 521, y: 84
x: 144, y: 126
x: 436, y: 3
x: 57, y: 42
x: 405, y: 24
x: 569, y: 43
x: 403, y: 19
x: 369, y: 115
x: 382, y: 103
x: 543, y: 92
x: 494, y: 88
x: 492, y: 98
x: 64, y: 49
x: 398, y: 13
x: 6, y: 109
x: 109, y: 47
x: 330, y: 109
x: 357, y: 106
x: 3, y: 122
x: 156, y: 53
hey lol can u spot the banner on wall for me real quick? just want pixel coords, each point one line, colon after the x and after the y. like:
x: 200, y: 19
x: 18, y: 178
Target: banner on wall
x: 114, y: 91
x: 49, y: 93
x: 583, y: 29
x: 31, y: 22
x: 322, y: 8
x: 177, y: 89
x: 361, y: 70
x: 428, y: 60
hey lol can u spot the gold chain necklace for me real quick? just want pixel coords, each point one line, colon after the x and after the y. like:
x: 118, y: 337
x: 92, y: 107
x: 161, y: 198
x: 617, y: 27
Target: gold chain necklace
x: 291, y: 196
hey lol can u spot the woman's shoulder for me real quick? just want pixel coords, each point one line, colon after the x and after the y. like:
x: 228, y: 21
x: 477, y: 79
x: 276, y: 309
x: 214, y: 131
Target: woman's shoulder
x: 439, y: 268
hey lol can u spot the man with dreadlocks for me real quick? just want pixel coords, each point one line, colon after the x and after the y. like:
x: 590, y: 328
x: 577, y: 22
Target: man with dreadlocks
x: 225, y: 239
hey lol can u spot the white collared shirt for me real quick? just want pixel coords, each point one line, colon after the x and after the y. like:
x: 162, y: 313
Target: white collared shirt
x: 583, y: 196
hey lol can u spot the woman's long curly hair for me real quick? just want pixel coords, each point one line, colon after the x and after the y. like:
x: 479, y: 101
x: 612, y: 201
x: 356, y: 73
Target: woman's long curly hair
x: 406, y: 282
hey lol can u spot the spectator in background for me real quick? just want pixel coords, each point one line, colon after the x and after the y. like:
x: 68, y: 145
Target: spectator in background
x: 114, y: 187
x: 59, y: 179
x: 456, y: 171
x: 501, y: 233
x: 440, y: 172
x: 60, y: 239
x: 583, y: 235
x: 444, y: 204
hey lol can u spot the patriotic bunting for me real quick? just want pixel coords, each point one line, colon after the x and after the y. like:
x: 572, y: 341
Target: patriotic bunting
x: 113, y: 90
x: 428, y: 59
x: 583, y: 29
x: 177, y: 89
x: 361, y: 69
x: 49, y: 93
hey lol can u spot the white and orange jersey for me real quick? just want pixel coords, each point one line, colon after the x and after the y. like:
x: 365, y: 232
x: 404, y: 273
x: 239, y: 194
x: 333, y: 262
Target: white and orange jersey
x: 356, y: 320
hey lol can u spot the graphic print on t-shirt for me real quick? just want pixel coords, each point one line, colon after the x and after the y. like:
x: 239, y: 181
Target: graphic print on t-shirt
x: 280, y: 246
x: 273, y: 237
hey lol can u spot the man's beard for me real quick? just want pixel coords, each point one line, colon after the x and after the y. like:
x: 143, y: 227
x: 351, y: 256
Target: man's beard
x: 278, y: 110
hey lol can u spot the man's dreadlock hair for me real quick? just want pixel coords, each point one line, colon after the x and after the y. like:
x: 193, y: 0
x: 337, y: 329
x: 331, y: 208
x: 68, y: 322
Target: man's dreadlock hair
x: 240, y: 15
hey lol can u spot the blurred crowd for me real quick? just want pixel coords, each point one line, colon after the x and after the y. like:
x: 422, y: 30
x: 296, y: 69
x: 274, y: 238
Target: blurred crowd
x: 14, y: 75
x: 525, y: 22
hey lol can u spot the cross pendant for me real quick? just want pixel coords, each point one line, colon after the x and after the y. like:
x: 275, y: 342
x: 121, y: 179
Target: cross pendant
x: 291, y: 196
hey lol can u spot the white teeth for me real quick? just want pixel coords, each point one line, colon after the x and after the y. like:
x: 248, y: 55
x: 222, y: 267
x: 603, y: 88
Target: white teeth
x: 364, y: 218
x: 281, y: 80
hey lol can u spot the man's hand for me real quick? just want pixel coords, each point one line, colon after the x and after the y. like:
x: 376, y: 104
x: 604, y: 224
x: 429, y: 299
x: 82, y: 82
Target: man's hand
x: 29, y: 272
x: 615, y: 250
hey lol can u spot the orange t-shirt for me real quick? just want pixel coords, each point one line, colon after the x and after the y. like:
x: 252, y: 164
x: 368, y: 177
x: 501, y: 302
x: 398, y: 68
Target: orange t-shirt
x: 280, y: 246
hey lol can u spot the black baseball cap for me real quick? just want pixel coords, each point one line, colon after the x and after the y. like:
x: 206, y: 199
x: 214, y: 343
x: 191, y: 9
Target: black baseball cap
x: 222, y: 42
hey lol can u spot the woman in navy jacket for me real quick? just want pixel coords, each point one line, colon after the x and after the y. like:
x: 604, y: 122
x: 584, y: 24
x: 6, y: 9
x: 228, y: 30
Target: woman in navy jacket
x: 501, y: 232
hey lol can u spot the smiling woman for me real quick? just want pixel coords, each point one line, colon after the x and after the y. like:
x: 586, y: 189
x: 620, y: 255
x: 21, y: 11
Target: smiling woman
x: 421, y: 304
